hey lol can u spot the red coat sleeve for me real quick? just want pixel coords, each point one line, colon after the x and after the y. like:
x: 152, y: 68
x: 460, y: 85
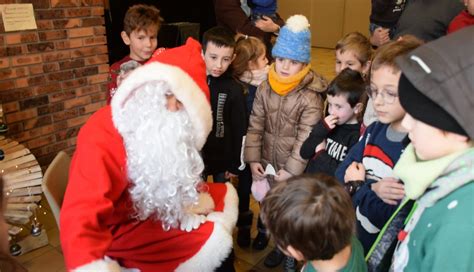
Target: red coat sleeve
x: 96, y: 182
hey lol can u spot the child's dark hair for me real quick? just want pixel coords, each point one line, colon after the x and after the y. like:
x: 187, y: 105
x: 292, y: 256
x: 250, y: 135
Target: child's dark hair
x: 141, y: 17
x: 311, y: 213
x: 219, y: 36
x: 350, y: 83
x: 247, y: 49
x: 357, y: 43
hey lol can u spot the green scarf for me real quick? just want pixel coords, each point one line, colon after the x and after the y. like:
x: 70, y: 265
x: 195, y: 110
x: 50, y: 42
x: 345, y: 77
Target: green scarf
x: 418, y: 175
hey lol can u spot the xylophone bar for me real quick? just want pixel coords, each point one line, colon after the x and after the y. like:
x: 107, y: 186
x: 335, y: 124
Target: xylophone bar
x: 24, y: 199
x: 25, y: 191
x: 22, y: 206
x: 24, y: 184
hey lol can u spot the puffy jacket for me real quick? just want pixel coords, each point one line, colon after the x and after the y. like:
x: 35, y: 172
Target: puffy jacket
x: 279, y: 125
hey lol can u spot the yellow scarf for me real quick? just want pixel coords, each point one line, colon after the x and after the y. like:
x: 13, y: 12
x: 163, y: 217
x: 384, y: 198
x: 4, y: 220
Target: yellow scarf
x: 284, y: 85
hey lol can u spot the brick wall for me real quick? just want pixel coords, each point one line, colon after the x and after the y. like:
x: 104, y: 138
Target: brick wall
x: 53, y: 78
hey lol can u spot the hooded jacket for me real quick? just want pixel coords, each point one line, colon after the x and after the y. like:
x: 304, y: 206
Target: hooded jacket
x: 279, y: 125
x: 439, y: 235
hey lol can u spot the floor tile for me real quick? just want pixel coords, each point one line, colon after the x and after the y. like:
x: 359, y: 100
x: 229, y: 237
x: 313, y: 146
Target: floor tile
x: 50, y: 261
x: 34, y: 254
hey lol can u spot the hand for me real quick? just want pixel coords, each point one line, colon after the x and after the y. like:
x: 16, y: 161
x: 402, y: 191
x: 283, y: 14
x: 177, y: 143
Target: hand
x: 380, y: 36
x: 389, y: 190
x: 331, y: 121
x: 355, y: 171
x: 190, y: 221
x: 229, y: 175
x: 120, y: 78
x: 257, y: 170
x: 266, y: 24
x: 282, y: 174
x: 320, y: 146
x: 204, y: 206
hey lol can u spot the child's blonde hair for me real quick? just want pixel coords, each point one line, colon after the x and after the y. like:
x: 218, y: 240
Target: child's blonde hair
x: 357, y: 43
x: 248, y: 49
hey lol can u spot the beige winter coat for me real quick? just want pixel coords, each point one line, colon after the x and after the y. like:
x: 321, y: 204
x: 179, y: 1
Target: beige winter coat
x: 280, y: 124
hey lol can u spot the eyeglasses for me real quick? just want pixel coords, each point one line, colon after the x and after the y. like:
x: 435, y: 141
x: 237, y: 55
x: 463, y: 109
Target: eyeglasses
x: 388, y: 97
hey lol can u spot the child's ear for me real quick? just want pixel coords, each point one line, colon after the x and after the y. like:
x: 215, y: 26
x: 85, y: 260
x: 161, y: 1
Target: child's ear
x: 457, y: 137
x: 358, y: 108
x: 295, y: 253
x: 125, y: 37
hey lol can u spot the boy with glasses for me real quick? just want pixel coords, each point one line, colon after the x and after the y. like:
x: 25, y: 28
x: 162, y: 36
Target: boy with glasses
x: 367, y: 171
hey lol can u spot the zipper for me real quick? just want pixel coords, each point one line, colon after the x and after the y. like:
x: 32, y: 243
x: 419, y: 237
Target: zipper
x: 277, y: 134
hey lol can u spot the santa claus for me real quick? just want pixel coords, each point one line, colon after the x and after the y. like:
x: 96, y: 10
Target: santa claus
x: 135, y: 198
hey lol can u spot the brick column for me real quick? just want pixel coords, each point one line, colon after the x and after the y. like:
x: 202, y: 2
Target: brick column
x: 53, y: 78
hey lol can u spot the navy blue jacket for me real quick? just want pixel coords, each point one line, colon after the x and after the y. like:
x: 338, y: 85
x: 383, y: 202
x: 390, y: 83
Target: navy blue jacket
x: 378, y: 155
x: 264, y: 7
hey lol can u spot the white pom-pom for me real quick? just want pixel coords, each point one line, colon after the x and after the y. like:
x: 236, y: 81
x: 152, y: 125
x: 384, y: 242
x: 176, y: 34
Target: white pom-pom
x: 297, y: 23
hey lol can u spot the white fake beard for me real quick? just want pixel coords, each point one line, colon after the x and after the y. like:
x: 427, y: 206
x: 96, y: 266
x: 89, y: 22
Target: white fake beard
x: 163, y: 163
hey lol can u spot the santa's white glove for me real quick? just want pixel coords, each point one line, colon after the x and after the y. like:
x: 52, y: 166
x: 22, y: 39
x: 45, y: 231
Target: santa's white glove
x: 190, y: 221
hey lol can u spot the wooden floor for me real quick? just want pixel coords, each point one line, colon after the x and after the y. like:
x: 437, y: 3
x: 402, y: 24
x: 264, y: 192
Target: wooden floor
x: 50, y: 258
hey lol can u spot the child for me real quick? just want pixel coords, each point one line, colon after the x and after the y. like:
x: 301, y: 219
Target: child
x: 221, y: 153
x: 332, y: 138
x: 353, y: 51
x: 261, y: 8
x: 436, y: 90
x: 368, y: 166
x: 286, y: 107
x: 140, y: 31
x: 310, y: 217
x: 250, y: 67
x: 464, y: 19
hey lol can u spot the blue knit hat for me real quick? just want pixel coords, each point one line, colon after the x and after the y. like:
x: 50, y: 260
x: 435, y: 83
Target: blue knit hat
x: 294, y: 40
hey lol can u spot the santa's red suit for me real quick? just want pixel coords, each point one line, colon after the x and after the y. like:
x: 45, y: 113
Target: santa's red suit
x: 97, y: 220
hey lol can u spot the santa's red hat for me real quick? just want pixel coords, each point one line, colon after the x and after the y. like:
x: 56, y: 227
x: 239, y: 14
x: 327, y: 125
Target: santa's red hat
x: 183, y: 68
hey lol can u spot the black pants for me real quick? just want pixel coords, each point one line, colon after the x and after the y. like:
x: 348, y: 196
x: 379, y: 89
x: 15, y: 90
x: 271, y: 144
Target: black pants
x: 228, y: 264
x: 243, y: 189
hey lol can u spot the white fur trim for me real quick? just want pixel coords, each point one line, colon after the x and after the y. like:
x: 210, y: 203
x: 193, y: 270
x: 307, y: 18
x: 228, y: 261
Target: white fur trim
x: 297, y: 23
x: 183, y: 87
x: 105, y: 265
x: 219, y: 244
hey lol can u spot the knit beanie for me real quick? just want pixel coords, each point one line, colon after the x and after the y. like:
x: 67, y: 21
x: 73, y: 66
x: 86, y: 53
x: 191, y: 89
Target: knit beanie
x: 424, y: 109
x: 294, y: 40
x: 437, y: 85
